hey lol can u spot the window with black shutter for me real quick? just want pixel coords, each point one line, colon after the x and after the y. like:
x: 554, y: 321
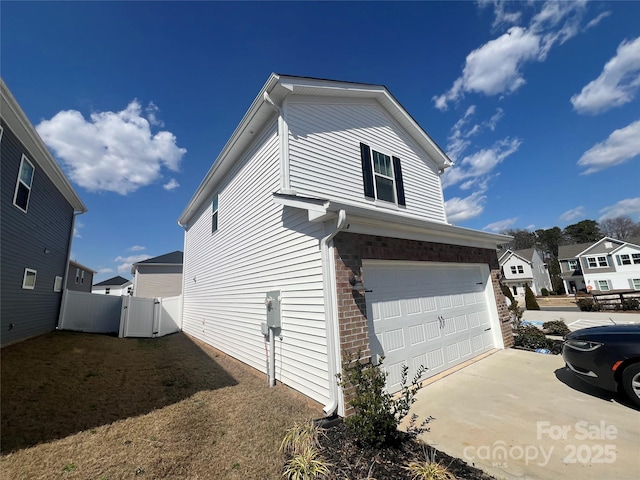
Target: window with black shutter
x: 381, y: 176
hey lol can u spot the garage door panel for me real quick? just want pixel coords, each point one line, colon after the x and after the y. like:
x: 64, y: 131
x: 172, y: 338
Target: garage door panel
x: 407, y: 306
x: 416, y: 334
x: 393, y: 340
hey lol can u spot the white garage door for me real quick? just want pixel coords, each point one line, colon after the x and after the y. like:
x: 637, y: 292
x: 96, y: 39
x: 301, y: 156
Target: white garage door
x: 427, y: 314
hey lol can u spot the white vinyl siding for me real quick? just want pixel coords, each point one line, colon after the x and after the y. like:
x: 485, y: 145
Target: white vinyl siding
x: 325, y: 161
x: 260, y: 246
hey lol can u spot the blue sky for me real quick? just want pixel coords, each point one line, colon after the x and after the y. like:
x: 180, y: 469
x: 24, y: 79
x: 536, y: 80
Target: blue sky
x: 538, y: 103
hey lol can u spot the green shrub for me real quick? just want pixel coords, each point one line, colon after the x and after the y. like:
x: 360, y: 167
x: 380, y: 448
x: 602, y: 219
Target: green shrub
x: 377, y: 414
x: 507, y: 293
x: 545, y: 292
x: 555, y: 327
x: 530, y: 301
x: 530, y: 336
x: 587, y: 305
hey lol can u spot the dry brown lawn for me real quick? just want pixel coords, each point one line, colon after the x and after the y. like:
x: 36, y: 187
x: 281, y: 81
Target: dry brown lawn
x: 82, y: 406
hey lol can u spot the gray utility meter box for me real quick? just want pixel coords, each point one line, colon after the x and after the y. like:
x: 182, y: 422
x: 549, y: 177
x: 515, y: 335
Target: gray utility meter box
x: 273, y: 309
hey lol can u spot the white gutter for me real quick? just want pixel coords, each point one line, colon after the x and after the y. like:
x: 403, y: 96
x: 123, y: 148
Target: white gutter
x: 331, y: 313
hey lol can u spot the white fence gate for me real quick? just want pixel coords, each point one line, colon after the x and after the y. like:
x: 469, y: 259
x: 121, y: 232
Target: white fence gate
x: 123, y: 315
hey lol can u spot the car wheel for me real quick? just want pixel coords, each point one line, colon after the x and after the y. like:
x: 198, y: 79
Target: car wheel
x: 631, y: 382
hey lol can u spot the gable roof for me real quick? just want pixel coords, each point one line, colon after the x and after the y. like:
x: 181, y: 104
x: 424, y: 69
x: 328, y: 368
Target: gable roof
x: 38, y: 151
x: 111, y: 282
x: 274, y: 92
x: 566, y: 252
x: 173, y: 258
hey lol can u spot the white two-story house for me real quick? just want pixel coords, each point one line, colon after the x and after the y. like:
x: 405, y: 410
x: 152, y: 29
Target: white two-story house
x: 324, y: 214
x: 524, y: 267
x: 601, y: 266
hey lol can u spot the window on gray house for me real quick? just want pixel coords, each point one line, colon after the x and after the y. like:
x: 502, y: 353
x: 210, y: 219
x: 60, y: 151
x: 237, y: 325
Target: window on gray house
x: 29, y: 279
x: 23, y: 184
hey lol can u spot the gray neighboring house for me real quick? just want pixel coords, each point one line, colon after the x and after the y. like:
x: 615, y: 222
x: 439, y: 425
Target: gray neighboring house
x: 159, y: 276
x: 79, y: 277
x: 38, y: 211
x: 114, y: 286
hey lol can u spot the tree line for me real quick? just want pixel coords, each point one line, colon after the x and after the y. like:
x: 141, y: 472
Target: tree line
x: 549, y: 240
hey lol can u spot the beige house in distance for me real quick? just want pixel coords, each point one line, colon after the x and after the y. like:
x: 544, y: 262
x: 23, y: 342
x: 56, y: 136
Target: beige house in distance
x: 158, y: 277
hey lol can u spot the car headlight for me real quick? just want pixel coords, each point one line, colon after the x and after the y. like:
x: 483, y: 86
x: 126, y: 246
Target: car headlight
x: 582, y: 345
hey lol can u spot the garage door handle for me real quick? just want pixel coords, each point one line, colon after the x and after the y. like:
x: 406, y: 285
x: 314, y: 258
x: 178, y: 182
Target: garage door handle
x: 487, y: 329
x: 441, y: 320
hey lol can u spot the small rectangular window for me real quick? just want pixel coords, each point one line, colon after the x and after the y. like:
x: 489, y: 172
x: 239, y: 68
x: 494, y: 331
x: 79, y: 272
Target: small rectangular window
x: 603, y: 285
x: 602, y: 262
x: 107, y: 291
x: 624, y: 260
x: 82, y: 277
x: 29, y: 279
x: 23, y: 184
x: 573, y: 264
x: 77, y: 275
x: 57, y: 284
x: 214, y: 214
x: 513, y: 269
x: 520, y: 269
x: 382, y: 176
x: 636, y: 258
x: 636, y: 283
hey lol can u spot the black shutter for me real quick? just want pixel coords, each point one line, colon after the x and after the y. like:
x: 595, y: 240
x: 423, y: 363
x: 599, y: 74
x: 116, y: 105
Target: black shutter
x: 397, y: 172
x: 367, y: 172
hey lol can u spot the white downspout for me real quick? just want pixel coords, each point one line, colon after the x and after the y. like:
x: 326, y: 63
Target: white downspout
x: 331, y: 307
x: 66, y: 269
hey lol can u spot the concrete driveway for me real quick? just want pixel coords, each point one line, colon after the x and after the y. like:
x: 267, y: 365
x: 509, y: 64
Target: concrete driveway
x: 521, y: 415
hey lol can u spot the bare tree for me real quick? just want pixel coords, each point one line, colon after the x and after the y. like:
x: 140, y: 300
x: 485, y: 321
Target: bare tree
x: 621, y: 228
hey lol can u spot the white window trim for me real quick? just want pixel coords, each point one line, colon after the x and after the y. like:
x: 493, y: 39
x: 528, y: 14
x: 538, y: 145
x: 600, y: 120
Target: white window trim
x: 392, y: 178
x: 107, y: 290
x: 574, y: 263
x: 82, y: 277
x: 520, y: 269
x: 635, y: 258
x: 600, y: 286
x: 57, y: 284
x: 635, y: 283
x: 625, y: 257
x: 514, y: 270
x: 1, y: 132
x: 77, y: 274
x: 596, y: 259
x: 24, y: 279
x: 19, y: 181
x: 214, y: 213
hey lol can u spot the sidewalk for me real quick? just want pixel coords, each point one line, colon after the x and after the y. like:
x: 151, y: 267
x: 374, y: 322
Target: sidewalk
x: 578, y: 320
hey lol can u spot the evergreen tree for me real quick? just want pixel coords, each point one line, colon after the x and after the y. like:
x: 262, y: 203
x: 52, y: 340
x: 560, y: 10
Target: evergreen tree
x: 530, y: 301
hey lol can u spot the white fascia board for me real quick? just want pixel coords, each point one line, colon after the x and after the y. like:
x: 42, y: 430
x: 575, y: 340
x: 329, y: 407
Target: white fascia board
x: 377, y: 222
x: 626, y: 244
x: 18, y: 122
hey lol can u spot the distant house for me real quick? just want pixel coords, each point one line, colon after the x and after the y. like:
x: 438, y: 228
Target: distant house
x: 38, y: 210
x: 524, y: 267
x: 79, y: 277
x: 323, y: 218
x: 114, y: 286
x: 158, y: 277
x: 601, y: 266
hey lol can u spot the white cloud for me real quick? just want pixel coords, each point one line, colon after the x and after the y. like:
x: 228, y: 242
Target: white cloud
x: 137, y: 248
x: 501, y: 225
x: 597, y: 20
x: 171, y: 184
x: 573, y: 214
x: 152, y: 111
x: 114, y: 152
x: 461, y: 209
x: 127, y: 262
x: 460, y: 134
x: 480, y: 163
x: 621, y: 146
x: 629, y: 207
x: 104, y: 270
x: 496, y: 67
x: 617, y: 84
x: 76, y: 229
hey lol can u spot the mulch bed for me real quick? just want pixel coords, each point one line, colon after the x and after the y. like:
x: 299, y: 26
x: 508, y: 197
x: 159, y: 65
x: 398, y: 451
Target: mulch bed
x: 351, y: 460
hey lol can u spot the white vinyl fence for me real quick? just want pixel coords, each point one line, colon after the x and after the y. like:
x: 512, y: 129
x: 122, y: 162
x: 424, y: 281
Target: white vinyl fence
x: 123, y: 315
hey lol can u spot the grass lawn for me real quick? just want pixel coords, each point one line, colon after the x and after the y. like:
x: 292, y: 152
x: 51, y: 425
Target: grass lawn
x: 83, y: 406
